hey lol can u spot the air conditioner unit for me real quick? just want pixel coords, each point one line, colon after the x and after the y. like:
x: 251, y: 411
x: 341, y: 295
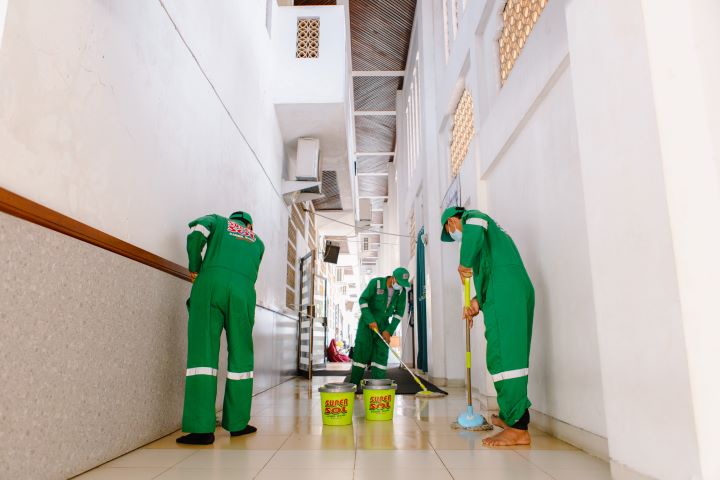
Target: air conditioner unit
x: 364, y: 212
x: 307, y: 164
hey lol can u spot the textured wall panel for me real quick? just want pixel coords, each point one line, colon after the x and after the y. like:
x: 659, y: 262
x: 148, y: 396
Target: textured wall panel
x: 93, y: 349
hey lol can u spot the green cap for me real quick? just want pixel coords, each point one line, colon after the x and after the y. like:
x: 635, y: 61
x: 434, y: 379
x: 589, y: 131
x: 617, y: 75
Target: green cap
x: 449, y: 212
x: 402, y: 277
x: 243, y: 217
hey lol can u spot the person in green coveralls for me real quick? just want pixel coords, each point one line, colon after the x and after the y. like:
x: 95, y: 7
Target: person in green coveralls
x: 224, y: 256
x: 382, y: 306
x: 506, y: 296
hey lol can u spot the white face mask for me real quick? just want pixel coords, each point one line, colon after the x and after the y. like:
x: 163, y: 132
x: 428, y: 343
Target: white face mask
x: 456, y: 235
x: 396, y: 286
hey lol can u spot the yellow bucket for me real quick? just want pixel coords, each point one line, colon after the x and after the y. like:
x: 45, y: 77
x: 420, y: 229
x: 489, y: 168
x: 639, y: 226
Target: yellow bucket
x: 337, y: 401
x: 379, y: 397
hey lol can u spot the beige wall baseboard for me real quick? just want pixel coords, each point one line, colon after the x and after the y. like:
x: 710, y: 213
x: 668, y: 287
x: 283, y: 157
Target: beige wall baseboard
x: 445, y: 382
x: 582, y: 439
x: 486, y: 402
x: 622, y: 472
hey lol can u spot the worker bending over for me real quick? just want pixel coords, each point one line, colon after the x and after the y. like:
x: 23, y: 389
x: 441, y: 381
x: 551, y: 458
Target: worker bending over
x: 382, y: 306
x: 507, y: 299
x: 224, y: 257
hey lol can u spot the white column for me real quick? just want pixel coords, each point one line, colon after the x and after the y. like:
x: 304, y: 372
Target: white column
x: 630, y: 220
x: 683, y: 40
x: 3, y: 11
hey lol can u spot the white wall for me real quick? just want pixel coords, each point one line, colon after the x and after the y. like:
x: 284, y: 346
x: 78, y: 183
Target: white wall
x: 535, y: 191
x: 318, y: 80
x: 634, y: 274
x: 522, y: 168
x: 106, y: 117
x: 685, y: 73
x: 3, y: 11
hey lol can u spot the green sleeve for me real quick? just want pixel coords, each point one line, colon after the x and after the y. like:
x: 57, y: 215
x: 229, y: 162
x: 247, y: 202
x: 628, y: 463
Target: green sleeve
x: 200, y: 232
x: 399, y: 312
x: 366, y: 316
x: 473, y: 237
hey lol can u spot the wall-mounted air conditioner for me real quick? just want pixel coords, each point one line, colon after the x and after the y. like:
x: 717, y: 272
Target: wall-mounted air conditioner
x: 364, y: 212
x: 307, y: 166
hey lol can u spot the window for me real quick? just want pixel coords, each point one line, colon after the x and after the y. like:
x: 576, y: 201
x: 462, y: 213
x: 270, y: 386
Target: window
x: 457, y: 13
x: 268, y: 15
x: 413, y: 234
x: 291, y: 266
x: 518, y: 19
x: 462, y: 132
x: 412, y: 121
x: 446, y: 29
x: 308, y: 38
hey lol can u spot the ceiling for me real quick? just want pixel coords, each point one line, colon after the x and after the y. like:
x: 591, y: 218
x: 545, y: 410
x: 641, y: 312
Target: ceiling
x: 379, y: 40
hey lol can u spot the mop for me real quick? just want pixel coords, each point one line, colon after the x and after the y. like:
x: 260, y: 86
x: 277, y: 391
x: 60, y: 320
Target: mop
x: 469, y: 420
x: 424, y: 392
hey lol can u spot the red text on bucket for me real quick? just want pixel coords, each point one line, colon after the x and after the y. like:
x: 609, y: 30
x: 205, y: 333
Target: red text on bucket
x: 336, y: 406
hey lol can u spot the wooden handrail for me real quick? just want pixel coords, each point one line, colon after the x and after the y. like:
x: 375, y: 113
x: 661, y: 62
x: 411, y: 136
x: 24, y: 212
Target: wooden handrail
x: 25, y: 209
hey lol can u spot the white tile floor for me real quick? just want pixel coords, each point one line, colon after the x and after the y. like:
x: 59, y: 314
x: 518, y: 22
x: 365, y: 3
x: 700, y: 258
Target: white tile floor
x: 291, y: 443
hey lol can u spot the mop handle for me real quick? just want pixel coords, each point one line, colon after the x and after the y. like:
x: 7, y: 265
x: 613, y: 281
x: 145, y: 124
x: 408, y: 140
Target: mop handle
x: 417, y: 380
x: 468, y: 356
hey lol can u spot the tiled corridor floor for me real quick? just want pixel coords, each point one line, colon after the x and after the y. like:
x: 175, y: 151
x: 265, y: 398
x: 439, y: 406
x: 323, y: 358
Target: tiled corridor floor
x: 291, y: 443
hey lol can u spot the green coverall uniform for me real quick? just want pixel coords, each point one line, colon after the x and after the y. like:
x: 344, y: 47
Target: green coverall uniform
x: 227, y: 256
x: 507, y: 299
x: 369, y: 348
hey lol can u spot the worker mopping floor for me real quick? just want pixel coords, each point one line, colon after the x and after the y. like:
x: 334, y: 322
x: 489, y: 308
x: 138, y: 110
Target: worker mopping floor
x: 469, y: 420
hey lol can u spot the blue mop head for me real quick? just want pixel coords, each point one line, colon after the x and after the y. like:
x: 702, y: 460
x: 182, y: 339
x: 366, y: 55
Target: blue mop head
x: 472, y: 421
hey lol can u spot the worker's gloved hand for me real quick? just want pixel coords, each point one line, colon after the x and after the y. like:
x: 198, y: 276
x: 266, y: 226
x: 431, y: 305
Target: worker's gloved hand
x: 464, y: 272
x: 193, y: 276
x: 373, y: 326
x: 386, y: 336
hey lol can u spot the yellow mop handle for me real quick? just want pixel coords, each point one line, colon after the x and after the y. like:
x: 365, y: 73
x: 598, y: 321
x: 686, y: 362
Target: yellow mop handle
x: 468, y: 359
x: 467, y: 292
x: 417, y: 380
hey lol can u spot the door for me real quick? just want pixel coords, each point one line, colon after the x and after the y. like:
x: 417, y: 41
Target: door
x: 312, y: 318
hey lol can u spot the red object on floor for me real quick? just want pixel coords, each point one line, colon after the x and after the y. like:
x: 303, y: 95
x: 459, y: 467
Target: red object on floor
x: 334, y: 355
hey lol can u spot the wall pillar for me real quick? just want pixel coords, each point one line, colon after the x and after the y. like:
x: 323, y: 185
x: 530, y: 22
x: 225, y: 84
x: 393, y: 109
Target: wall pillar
x: 643, y: 354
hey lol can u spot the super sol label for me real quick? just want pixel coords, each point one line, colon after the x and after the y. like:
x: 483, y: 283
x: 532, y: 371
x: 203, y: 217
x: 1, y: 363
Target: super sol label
x: 380, y: 403
x: 336, y: 408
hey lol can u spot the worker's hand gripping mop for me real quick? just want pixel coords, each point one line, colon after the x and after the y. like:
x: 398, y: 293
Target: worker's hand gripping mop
x: 424, y: 392
x: 470, y: 420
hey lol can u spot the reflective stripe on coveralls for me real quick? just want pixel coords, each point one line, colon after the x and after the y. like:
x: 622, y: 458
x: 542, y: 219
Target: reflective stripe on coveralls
x: 358, y: 364
x: 499, y: 377
x: 377, y: 365
x: 239, y: 375
x: 201, y: 229
x: 201, y: 371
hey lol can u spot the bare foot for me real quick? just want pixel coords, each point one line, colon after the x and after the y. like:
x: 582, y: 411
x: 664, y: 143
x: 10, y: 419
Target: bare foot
x: 507, y: 438
x: 498, y: 422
